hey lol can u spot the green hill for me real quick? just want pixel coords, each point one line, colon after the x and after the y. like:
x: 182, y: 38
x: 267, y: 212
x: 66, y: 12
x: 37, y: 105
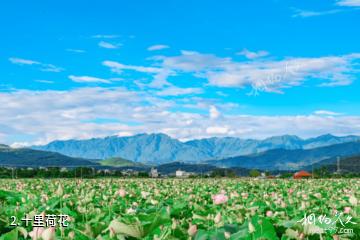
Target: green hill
x: 347, y: 164
x: 119, y: 162
x: 284, y: 159
x: 35, y: 158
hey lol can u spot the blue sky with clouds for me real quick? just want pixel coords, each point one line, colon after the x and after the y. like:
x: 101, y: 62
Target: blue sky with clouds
x: 190, y: 69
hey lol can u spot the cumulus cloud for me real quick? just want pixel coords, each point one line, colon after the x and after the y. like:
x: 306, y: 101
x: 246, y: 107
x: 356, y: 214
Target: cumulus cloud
x: 157, y: 47
x: 326, y: 112
x: 214, y: 112
x: 217, y: 130
x: 88, y: 79
x: 43, y: 116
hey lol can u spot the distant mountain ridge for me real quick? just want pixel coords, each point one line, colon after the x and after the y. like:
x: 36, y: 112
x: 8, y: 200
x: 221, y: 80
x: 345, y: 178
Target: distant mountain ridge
x: 25, y: 157
x: 284, y: 159
x: 160, y: 148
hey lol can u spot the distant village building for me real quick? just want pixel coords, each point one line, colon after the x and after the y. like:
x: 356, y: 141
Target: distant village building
x: 154, y: 173
x: 301, y: 175
x: 182, y: 174
x: 262, y: 176
x: 63, y: 169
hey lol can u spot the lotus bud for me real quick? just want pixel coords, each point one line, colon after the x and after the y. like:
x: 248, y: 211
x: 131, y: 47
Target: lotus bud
x: 251, y: 227
x: 48, y: 234
x: 217, y: 218
x: 192, y: 230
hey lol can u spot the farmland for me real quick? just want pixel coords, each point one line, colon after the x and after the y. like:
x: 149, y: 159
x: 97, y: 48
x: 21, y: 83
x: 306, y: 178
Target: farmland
x: 240, y: 208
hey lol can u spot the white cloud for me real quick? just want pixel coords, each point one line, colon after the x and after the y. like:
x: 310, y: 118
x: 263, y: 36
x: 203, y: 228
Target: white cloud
x: 44, y: 81
x: 217, y: 130
x: 214, y: 112
x: 43, y: 116
x: 160, y: 75
x: 50, y: 68
x: 20, y: 144
x: 21, y: 61
x: 118, y: 67
x: 108, y: 36
x: 326, y: 112
x: 306, y: 13
x: 252, y: 55
x: 88, y: 79
x: 262, y: 75
x: 75, y: 50
x: 348, y: 3
x: 265, y: 75
x: 109, y: 45
x: 176, y: 91
x: 45, y: 67
x: 157, y: 47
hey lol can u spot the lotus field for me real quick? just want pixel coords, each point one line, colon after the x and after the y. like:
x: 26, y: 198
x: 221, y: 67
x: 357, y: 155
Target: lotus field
x: 179, y: 209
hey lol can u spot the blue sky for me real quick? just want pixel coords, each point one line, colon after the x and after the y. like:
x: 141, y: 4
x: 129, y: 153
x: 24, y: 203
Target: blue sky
x: 190, y: 69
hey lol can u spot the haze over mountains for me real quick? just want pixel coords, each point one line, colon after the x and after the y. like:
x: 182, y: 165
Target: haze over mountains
x: 160, y: 148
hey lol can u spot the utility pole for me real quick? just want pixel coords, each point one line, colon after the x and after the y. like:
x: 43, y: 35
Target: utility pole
x: 338, y: 165
x: 312, y: 170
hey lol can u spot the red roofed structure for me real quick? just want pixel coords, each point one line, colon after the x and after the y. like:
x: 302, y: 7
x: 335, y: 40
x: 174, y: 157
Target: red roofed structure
x: 301, y: 175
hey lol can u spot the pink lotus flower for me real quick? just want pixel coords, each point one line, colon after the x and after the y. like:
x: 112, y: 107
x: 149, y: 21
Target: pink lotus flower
x: 121, y: 192
x: 220, y: 199
x: 48, y: 234
x: 347, y: 210
x: 192, y: 230
x: 35, y: 234
x: 290, y: 190
x: 144, y: 194
x: 269, y: 213
x: 41, y: 233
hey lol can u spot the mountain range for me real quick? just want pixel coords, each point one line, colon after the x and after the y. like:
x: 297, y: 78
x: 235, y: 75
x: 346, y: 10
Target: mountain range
x: 160, y: 148
x: 284, y: 159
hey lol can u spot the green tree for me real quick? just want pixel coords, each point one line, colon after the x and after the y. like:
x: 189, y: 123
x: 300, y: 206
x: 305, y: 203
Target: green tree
x: 254, y: 173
